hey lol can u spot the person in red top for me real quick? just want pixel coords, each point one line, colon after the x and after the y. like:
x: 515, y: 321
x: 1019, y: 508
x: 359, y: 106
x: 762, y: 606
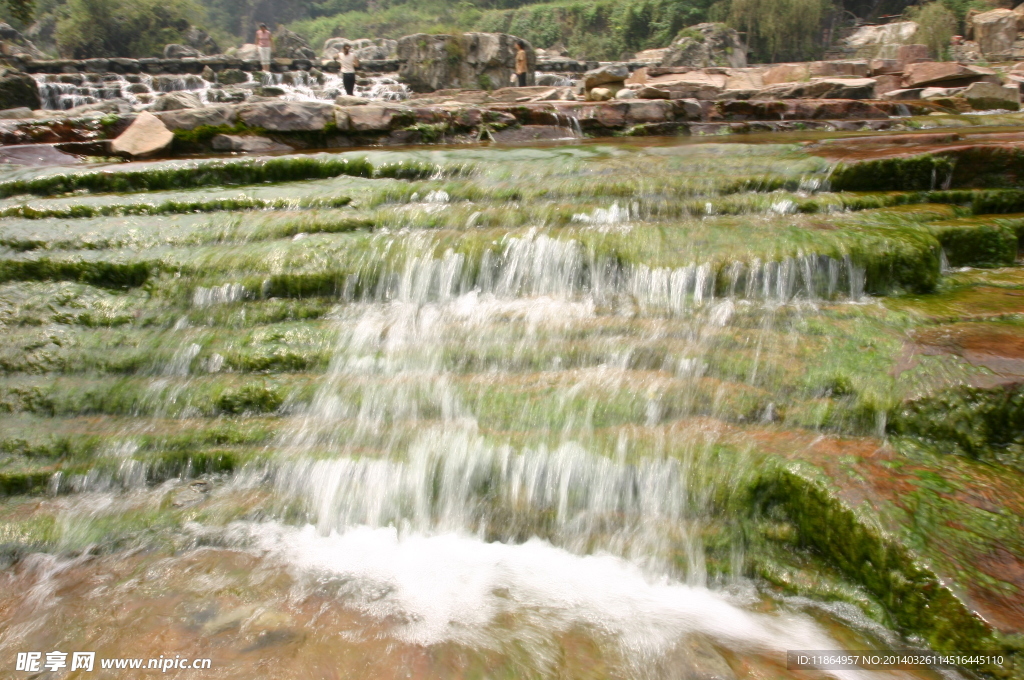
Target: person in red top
x: 264, y: 44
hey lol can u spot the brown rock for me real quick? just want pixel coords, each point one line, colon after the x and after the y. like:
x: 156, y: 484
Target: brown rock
x: 652, y: 93
x: 611, y: 115
x: 786, y: 73
x: 752, y: 110
x: 377, y: 118
x: 912, y: 54
x: 649, y: 112
x: 281, y: 116
x: 637, y: 77
x: 147, y: 136
x: 467, y: 118
x: 995, y: 32
x: 687, y: 109
x: 923, y: 74
x: 879, y: 67
x: 822, y: 88
x: 857, y: 68
x: 901, y: 95
x: 986, y: 96
x: 834, y: 109
x: 887, y: 83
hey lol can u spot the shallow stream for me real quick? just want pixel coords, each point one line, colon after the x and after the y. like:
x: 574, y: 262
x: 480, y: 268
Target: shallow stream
x: 491, y: 412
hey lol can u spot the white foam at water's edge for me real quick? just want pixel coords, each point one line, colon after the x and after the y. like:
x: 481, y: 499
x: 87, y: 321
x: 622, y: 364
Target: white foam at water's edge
x: 454, y: 587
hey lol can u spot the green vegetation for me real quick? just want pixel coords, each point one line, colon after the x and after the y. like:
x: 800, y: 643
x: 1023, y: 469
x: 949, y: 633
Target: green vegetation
x: 779, y: 30
x: 123, y: 28
x: 936, y: 24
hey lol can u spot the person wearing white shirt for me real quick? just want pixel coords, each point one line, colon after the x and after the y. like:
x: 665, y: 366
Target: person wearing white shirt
x: 349, y: 64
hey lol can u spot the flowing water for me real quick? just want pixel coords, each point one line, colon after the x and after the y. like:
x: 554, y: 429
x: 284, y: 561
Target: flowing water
x: 498, y: 420
x: 62, y: 92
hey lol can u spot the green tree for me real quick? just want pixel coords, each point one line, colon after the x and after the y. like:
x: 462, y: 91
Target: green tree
x: 21, y: 10
x: 123, y: 28
x: 936, y: 24
x: 780, y: 30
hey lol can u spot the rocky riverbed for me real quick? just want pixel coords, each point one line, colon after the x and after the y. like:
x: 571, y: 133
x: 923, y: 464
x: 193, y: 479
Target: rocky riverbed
x: 652, y: 407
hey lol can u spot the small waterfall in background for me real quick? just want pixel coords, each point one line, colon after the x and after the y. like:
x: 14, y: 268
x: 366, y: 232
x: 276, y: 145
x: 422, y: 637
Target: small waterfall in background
x: 66, y: 91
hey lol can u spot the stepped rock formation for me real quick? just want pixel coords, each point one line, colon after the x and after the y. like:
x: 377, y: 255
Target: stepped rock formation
x: 468, y: 60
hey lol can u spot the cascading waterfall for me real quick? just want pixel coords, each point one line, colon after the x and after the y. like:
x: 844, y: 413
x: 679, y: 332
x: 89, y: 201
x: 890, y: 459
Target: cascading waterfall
x: 389, y: 440
x: 62, y: 92
x: 535, y: 418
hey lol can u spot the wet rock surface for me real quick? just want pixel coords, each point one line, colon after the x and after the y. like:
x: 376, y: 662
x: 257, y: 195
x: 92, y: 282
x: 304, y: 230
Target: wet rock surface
x: 707, y: 389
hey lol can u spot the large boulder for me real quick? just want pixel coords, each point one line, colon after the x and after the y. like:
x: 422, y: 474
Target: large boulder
x: 146, y: 136
x: 247, y: 52
x: 232, y: 76
x: 278, y: 116
x: 189, y: 119
x: 995, y: 32
x: 706, y: 45
x: 883, y: 41
x: 199, y: 39
x: 985, y: 96
x: 482, y: 61
x: 609, y: 74
x: 18, y: 89
x: 381, y: 49
x: 12, y: 42
x: 291, y: 45
x: 176, y: 51
x: 175, y: 101
x: 948, y: 73
x: 363, y: 48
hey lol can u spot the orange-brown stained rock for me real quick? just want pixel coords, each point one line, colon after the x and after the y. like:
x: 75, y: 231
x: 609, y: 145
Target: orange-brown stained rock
x: 867, y: 472
x: 1000, y: 348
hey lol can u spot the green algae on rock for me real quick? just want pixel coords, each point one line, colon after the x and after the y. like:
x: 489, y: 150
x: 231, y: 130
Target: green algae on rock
x: 716, y: 368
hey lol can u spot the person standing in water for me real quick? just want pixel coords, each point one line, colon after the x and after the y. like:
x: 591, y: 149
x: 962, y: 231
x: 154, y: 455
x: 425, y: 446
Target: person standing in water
x: 521, y: 64
x: 349, y: 64
x: 264, y: 45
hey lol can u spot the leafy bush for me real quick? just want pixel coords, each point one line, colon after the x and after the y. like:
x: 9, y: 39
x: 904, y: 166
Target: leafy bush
x: 123, y: 28
x: 936, y: 24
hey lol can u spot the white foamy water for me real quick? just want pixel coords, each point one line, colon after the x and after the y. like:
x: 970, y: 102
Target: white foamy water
x: 457, y: 588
